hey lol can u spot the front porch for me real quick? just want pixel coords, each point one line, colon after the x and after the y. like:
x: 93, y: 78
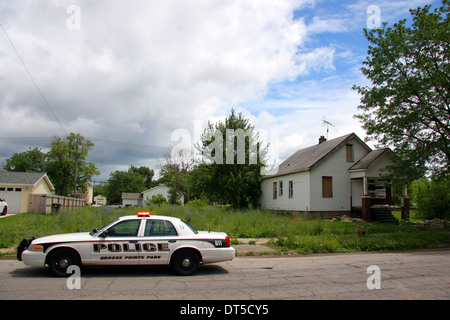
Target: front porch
x: 372, y: 198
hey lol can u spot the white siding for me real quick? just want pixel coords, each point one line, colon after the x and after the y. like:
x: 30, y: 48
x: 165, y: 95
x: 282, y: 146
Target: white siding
x: 300, y: 200
x: 162, y: 190
x: 335, y: 166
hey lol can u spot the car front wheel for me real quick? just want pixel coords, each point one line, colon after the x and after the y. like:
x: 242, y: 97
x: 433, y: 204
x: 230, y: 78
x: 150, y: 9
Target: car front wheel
x: 61, y: 259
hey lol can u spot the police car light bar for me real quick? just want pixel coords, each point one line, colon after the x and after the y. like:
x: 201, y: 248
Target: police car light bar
x: 143, y: 214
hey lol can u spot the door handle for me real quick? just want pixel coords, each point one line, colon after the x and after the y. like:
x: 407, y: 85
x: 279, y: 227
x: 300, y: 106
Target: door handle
x: 132, y: 241
x: 172, y: 241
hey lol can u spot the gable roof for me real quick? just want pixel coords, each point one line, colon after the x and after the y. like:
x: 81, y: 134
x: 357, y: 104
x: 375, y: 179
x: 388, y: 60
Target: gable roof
x: 369, y: 159
x: 308, y: 158
x: 157, y: 187
x: 24, y: 178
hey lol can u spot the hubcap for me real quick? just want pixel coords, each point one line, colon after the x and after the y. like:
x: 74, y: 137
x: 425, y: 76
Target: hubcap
x: 186, y: 263
x: 63, y: 263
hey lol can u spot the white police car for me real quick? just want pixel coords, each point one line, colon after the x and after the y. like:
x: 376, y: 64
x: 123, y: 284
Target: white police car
x: 143, y: 239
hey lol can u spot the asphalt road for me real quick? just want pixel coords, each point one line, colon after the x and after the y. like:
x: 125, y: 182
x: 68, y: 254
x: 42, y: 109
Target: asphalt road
x: 373, y: 276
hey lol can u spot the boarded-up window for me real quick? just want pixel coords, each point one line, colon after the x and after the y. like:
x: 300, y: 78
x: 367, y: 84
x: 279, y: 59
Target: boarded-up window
x: 349, y: 152
x: 274, y: 190
x: 327, y: 187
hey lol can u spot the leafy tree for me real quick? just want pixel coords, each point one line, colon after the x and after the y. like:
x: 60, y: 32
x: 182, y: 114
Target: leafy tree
x: 406, y: 107
x: 32, y: 160
x: 67, y: 165
x: 147, y: 174
x: 175, y: 174
x: 231, y: 170
x: 123, y: 181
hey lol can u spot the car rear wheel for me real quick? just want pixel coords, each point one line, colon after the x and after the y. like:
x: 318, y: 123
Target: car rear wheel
x: 5, y: 211
x: 61, y: 259
x: 185, y: 262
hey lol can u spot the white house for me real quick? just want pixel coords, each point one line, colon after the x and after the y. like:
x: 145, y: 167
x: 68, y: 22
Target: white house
x: 330, y: 178
x: 161, y: 189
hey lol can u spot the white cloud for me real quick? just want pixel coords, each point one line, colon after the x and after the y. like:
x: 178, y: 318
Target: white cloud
x: 135, y: 72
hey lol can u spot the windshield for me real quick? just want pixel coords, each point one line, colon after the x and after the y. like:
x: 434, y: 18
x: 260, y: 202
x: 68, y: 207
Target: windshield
x: 104, y: 228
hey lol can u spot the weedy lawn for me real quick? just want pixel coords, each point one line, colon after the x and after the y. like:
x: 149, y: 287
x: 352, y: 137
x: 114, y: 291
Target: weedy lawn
x: 287, y: 233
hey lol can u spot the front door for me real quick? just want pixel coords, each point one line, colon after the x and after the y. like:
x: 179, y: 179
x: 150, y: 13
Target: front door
x: 118, y: 246
x: 357, y: 192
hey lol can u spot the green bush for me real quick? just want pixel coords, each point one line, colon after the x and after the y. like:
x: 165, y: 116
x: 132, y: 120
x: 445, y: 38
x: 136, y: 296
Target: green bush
x: 157, y: 200
x: 432, y: 197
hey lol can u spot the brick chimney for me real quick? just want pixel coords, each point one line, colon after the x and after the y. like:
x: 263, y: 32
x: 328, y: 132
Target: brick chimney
x: 322, y: 139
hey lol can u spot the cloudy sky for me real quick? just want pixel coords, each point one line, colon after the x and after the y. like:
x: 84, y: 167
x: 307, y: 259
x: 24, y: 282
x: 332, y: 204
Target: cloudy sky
x: 130, y: 75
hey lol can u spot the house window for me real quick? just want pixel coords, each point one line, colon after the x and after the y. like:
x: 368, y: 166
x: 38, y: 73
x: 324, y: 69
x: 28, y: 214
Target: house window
x: 274, y: 190
x: 281, y: 188
x: 327, y: 187
x: 291, y: 189
x: 349, y: 152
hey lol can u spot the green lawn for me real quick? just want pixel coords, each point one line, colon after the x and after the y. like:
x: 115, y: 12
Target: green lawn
x: 288, y: 234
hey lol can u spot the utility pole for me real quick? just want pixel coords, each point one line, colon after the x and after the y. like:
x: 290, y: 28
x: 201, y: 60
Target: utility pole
x: 76, y: 168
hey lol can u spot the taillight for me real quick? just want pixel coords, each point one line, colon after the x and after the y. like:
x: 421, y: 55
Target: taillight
x: 227, y: 241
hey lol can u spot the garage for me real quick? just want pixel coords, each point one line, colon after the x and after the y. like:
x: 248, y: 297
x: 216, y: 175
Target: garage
x: 13, y: 197
x: 17, y: 187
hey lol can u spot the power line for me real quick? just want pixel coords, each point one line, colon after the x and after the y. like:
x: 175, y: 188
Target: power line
x: 90, y: 138
x: 32, y: 79
x: 54, y: 115
x: 127, y: 143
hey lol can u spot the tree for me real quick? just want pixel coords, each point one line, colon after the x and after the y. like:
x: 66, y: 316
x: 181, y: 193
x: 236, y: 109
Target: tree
x: 432, y: 197
x: 175, y: 173
x: 67, y: 167
x: 123, y: 181
x: 231, y: 170
x: 146, y: 173
x: 406, y: 107
x: 32, y: 160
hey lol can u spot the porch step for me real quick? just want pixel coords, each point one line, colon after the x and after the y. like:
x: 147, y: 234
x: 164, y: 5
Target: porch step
x: 383, y: 215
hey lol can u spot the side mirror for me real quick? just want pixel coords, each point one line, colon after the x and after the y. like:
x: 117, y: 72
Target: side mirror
x: 95, y: 230
x: 103, y: 234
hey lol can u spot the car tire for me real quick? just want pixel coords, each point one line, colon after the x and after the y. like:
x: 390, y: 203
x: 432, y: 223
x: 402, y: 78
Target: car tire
x: 5, y: 211
x: 61, y: 259
x: 185, y: 262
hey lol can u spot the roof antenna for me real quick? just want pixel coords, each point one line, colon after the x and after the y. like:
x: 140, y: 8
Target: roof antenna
x: 328, y: 124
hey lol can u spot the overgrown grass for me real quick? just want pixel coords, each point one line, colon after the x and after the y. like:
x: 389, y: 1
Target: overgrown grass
x: 288, y: 234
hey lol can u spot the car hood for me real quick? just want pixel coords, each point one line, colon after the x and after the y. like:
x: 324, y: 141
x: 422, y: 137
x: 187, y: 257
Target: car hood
x: 67, y: 237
